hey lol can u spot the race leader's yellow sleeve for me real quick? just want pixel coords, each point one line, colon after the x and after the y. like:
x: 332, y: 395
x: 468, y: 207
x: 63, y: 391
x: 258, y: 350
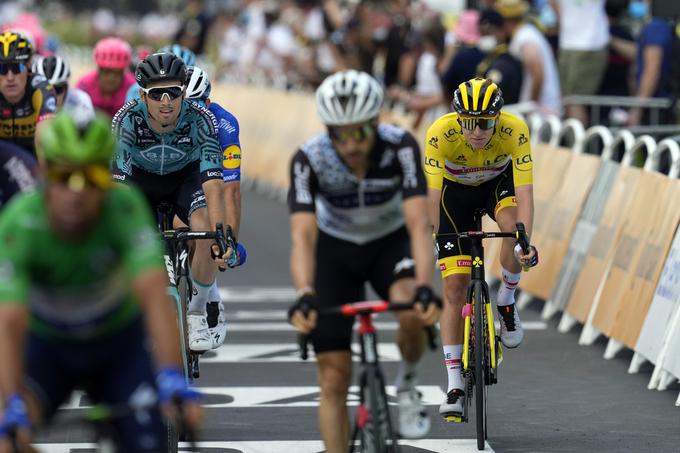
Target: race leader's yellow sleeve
x: 434, y: 154
x: 522, y: 165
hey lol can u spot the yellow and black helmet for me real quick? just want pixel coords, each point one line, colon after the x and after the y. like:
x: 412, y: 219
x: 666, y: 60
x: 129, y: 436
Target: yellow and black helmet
x: 478, y: 97
x: 15, y: 47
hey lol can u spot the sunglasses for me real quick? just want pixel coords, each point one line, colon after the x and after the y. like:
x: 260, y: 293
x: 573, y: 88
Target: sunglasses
x: 78, y: 179
x: 358, y: 134
x: 471, y: 123
x: 16, y: 68
x: 60, y: 89
x: 157, y: 93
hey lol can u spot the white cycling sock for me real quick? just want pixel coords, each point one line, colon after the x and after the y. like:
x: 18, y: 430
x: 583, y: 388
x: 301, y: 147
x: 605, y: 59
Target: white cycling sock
x: 453, y: 362
x: 506, y: 292
x: 199, y: 298
x: 214, y: 293
x: 407, y: 375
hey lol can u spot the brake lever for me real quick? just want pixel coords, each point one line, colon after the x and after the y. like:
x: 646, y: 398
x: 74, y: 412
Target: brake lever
x: 232, y: 261
x: 220, y: 241
x: 523, y: 241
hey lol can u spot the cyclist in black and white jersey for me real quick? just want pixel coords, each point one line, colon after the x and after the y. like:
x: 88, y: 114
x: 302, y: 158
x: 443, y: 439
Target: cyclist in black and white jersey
x: 358, y: 214
x: 18, y: 171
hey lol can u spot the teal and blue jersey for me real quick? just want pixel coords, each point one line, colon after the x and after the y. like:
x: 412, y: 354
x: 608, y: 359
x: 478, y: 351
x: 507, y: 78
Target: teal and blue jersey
x: 194, y: 139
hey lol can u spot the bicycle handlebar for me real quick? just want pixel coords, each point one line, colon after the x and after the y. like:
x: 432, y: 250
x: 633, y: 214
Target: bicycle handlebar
x: 365, y: 308
x: 224, y: 238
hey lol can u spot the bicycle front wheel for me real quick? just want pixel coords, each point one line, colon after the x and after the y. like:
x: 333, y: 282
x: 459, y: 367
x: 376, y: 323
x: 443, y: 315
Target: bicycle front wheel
x: 378, y: 435
x: 480, y: 298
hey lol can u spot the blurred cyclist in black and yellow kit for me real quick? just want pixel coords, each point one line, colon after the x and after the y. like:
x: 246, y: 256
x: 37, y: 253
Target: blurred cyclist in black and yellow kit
x: 25, y: 98
x: 477, y: 157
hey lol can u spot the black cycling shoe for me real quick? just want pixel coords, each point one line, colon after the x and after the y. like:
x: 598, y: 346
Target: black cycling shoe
x: 213, y: 309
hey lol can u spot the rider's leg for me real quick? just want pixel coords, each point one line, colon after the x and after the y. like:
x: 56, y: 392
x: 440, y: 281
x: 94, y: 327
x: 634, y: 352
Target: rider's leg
x: 203, y: 268
x: 451, y: 321
x: 334, y: 373
x: 511, y: 327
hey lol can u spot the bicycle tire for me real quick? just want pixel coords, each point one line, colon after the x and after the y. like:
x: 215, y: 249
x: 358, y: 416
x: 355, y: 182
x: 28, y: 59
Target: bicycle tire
x: 173, y: 437
x: 184, y: 291
x: 377, y: 436
x: 480, y: 365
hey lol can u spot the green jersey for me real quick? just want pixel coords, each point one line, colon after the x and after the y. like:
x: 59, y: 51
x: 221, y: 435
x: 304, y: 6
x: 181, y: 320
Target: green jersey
x: 78, y: 289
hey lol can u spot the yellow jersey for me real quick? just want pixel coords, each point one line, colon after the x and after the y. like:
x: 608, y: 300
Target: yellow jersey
x: 449, y: 155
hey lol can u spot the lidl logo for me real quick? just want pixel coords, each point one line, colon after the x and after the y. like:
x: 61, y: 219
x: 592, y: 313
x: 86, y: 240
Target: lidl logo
x: 231, y: 158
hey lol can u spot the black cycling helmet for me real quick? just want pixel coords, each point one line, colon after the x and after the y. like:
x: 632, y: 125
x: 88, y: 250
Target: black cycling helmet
x: 160, y: 66
x: 15, y: 47
x: 478, y: 97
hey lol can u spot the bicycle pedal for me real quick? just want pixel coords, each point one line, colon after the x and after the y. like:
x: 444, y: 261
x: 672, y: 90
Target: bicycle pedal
x: 453, y: 418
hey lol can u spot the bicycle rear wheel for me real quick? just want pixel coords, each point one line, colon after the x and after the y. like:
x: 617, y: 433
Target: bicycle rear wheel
x: 480, y: 296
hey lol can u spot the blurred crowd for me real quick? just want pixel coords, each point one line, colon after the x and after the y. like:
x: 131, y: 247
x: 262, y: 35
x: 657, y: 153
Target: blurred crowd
x: 540, y: 51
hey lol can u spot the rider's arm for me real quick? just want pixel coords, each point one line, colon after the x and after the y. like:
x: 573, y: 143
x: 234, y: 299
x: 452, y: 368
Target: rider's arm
x: 522, y: 173
x: 123, y: 131
x: 14, y: 284
x: 303, y: 225
x: 141, y: 251
x: 434, y: 172
x: 414, y: 187
x: 211, y: 167
x: 228, y: 129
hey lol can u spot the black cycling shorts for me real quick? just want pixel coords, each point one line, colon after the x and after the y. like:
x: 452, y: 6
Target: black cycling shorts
x: 456, y: 214
x: 110, y: 370
x: 342, y: 270
x: 182, y: 189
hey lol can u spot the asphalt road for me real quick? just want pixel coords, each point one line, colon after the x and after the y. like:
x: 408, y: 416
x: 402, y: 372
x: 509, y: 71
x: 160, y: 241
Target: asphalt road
x: 553, y: 395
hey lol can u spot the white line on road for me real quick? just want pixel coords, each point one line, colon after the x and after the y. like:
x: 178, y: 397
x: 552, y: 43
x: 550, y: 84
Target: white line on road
x: 284, y: 326
x: 257, y: 294
x: 279, y: 396
x: 292, y: 446
x: 286, y: 352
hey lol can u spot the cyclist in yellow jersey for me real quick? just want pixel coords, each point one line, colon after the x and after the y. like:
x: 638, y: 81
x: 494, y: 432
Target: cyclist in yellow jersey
x: 477, y: 157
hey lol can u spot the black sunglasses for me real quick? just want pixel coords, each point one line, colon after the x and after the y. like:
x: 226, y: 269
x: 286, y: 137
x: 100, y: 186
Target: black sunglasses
x: 157, y: 93
x: 16, y: 68
x: 60, y: 89
x: 471, y: 123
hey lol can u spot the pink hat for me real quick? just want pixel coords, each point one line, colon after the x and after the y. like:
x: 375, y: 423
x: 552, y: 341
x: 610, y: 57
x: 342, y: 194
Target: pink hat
x: 467, y: 27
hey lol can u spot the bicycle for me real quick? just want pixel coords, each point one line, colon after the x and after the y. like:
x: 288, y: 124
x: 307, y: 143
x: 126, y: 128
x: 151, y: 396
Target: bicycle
x: 372, y: 422
x: 482, y: 350
x: 100, y: 419
x: 177, y: 266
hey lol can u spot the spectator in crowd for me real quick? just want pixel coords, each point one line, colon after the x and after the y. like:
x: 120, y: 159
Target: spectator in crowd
x: 427, y: 92
x: 616, y: 80
x: 583, y: 39
x: 193, y: 30
x: 400, y: 47
x: 498, y: 65
x: 652, y: 55
x: 467, y: 56
x: 541, y: 82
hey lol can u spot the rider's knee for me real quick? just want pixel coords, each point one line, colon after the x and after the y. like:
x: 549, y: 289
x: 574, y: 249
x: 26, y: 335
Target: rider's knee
x: 455, y: 289
x: 334, y: 380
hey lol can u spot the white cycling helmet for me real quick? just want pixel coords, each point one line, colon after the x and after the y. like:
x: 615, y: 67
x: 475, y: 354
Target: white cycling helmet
x: 198, y: 83
x: 54, y: 69
x: 348, y: 97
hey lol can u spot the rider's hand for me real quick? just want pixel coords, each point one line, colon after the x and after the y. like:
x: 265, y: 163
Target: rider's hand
x: 427, y: 305
x: 173, y: 390
x: 232, y: 260
x: 303, y: 314
x: 526, y: 259
x: 15, y: 418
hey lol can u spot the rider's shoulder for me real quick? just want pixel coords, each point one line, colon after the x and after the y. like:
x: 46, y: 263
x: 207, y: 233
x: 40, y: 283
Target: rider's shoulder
x: 443, y: 124
x: 129, y: 108
x: 392, y: 133
x: 194, y: 110
x: 23, y: 210
x: 513, y: 121
x: 222, y: 113
x: 317, y: 144
x: 38, y: 81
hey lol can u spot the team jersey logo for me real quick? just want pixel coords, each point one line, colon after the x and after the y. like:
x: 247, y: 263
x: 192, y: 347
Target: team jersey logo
x: 232, y: 158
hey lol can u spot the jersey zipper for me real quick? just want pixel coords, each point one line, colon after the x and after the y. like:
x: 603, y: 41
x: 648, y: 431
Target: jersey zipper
x: 361, y: 191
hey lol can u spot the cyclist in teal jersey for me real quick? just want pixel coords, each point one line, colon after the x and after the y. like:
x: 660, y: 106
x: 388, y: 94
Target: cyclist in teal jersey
x: 82, y: 291
x: 168, y: 147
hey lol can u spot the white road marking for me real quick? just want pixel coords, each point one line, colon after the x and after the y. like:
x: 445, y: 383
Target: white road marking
x: 306, y: 446
x: 380, y: 325
x: 280, y: 396
x: 286, y: 352
x: 257, y: 294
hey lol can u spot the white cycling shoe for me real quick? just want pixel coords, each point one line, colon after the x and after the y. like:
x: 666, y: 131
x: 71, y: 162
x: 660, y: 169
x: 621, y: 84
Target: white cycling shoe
x: 217, y: 323
x: 200, y: 339
x: 414, y: 422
